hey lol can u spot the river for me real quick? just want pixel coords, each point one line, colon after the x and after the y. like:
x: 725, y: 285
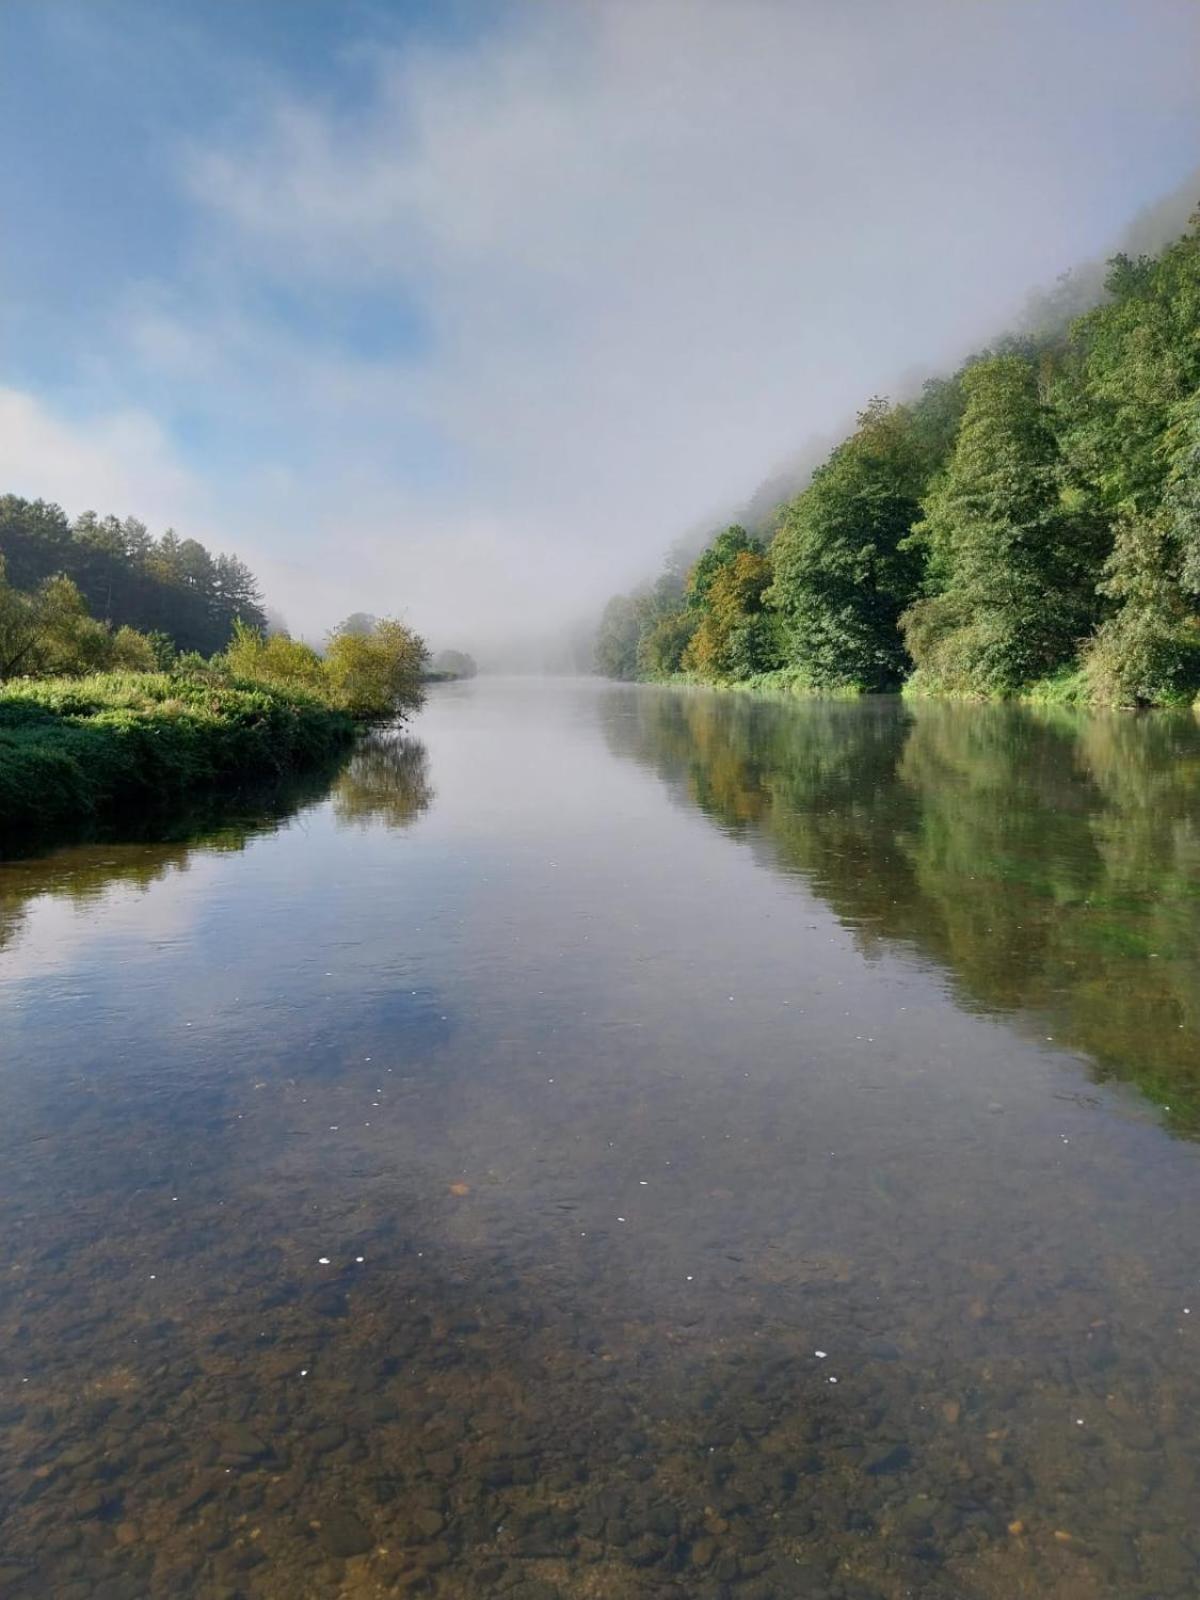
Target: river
x: 616, y: 1142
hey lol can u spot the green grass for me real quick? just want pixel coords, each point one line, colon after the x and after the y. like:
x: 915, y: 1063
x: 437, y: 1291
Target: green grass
x: 71, y: 748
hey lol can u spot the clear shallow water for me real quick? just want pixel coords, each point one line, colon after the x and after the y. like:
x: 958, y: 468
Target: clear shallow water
x: 642, y: 1045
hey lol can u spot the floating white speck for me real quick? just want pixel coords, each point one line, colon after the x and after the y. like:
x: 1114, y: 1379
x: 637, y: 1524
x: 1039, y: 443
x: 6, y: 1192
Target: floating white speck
x: 620, y: 1219
x: 689, y: 1277
x: 360, y: 1259
x: 643, y: 1183
x: 153, y: 1275
x: 833, y: 1380
x: 820, y: 1354
x: 304, y: 1372
x: 1079, y: 1422
x: 322, y: 1261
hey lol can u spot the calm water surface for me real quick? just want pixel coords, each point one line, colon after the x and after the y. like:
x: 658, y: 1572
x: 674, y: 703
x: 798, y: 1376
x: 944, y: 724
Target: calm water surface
x: 620, y: 1143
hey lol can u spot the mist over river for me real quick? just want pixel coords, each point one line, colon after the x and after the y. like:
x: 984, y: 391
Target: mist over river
x: 622, y: 1142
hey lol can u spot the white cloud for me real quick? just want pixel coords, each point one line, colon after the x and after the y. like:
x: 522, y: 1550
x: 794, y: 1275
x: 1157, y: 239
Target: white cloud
x: 655, y: 244
x: 119, y: 462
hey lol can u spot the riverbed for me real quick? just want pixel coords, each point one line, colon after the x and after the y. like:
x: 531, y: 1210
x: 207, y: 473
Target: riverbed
x: 621, y: 1142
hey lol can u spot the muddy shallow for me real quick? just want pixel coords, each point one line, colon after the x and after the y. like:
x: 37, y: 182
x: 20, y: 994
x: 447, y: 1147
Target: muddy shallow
x: 617, y: 1143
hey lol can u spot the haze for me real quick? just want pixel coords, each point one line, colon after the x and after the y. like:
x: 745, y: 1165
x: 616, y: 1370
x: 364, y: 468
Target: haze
x: 464, y: 313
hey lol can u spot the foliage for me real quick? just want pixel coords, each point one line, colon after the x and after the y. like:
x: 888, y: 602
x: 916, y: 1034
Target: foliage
x: 661, y: 646
x: 1020, y: 572
x: 617, y: 638
x: 50, y: 631
x: 70, y: 747
x: 735, y: 638
x: 361, y: 623
x: 370, y: 675
x: 1029, y: 524
x: 453, y: 664
x: 276, y: 659
x: 844, y: 570
x: 126, y: 577
x: 1148, y: 651
x: 716, y: 557
x: 377, y: 674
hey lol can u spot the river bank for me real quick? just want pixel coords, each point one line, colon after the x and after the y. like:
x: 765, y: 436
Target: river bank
x: 1068, y: 689
x: 71, y: 748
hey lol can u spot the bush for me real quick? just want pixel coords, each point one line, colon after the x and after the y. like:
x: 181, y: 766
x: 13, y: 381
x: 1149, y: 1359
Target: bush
x: 378, y: 674
x: 70, y: 747
x: 1143, y: 658
x: 280, y: 660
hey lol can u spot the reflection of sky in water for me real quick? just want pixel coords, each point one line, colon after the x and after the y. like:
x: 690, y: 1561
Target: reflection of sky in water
x: 625, y: 1122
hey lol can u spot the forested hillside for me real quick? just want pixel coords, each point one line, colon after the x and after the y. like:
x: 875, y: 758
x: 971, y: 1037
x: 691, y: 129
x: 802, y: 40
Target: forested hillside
x: 1030, y: 524
x: 127, y: 578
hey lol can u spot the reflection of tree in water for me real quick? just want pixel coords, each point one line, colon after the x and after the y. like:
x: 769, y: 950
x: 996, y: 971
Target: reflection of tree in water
x: 1051, y: 862
x: 137, y: 851
x: 386, y: 780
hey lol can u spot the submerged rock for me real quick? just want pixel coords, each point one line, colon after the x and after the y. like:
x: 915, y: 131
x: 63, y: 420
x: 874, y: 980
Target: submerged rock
x: 343, y: 1535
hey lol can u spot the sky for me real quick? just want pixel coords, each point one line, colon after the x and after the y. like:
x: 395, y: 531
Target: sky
x: 463, y: 312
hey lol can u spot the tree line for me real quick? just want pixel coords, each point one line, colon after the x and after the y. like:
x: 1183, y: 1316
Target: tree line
x: 1029, y: 525
x: 126, y: 578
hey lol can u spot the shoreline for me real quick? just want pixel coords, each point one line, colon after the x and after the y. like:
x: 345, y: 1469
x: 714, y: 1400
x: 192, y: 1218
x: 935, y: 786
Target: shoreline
x: 73, y: 749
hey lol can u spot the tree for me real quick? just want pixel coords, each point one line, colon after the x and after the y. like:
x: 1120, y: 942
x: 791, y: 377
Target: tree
x: 20, y: 627
x: 661, y: 647
x: 1016, y: 570
x: 454, y: 664
x: 127, y: 578
x: 35, y: 540
x: 617, y: 638
x: 358, y: 623
x: 843, y: 570
x: 51, y: 631
x: 1148, y: 651
x: 735, y: 637
x: 727, y: 545
x: 378, y: 674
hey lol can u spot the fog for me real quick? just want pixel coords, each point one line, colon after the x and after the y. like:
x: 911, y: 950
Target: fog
x: 470, y: 323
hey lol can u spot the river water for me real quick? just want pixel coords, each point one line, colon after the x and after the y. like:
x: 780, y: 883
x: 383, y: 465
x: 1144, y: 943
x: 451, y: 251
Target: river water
x: 616, y: 1142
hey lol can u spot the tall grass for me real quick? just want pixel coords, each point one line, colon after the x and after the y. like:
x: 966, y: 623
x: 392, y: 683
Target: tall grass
x: 73, y: 747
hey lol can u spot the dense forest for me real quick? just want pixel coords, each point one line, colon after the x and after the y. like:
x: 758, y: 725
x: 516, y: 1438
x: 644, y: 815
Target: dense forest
x: 128, y: 579
x: 1028, y: 525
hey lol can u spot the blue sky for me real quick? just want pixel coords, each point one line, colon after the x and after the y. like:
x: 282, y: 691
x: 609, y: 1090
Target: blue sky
x: 464, y: 311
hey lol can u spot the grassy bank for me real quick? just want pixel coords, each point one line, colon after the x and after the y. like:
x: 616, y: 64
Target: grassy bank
x: 76, y: 747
